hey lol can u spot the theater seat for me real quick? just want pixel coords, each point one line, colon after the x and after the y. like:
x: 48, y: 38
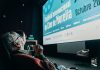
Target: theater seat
x: 18, y: 61
x: 26, y: 62
x: 5, y: 59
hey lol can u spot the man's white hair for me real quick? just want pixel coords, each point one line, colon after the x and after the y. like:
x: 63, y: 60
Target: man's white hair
x: 11, y: 36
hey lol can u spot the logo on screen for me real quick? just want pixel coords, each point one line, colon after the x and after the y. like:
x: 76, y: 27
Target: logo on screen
x: 48, y: 6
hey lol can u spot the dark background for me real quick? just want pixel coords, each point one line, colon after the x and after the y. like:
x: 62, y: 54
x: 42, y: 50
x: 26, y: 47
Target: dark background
x: 22, y: 14
x: 15, y: 16
x: 26, y: 15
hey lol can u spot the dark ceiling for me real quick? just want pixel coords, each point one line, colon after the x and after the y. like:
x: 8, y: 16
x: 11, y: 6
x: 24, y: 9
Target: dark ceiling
x: 7, y: 4
x: 17, y: 14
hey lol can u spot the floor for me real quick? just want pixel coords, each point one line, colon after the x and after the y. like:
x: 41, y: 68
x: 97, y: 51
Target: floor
x: 81, y: 65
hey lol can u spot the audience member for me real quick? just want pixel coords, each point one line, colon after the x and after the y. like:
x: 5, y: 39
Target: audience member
x: 15, y: 43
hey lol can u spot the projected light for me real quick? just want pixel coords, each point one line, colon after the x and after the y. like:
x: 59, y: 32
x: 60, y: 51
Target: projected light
x: 71, y: 20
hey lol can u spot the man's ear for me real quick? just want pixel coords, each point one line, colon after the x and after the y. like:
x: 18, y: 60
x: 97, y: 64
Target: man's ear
x: 17, y: 43
x: 16, y: 46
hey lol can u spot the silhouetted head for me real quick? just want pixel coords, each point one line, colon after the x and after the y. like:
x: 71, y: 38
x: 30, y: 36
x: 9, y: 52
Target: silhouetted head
x: 13, y: 40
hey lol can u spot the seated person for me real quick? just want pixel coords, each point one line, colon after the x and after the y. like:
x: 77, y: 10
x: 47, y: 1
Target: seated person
x: 16, y: 43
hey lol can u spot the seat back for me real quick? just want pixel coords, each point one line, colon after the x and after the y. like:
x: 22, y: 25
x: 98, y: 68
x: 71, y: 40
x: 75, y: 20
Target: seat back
x: 8, y: 61
x: 26, y: 62
x: 5, y: 58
